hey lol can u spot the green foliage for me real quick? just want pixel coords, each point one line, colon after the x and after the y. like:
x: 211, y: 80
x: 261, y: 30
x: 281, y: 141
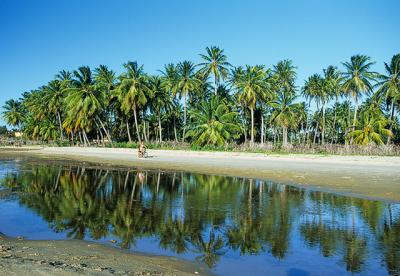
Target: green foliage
x: 3, y: 130
x: 226, y: 105
x: 13, y: 114
x: 83, y: 102
x: 216, y: 64
x: 213, y: 123
x: 371, y: 128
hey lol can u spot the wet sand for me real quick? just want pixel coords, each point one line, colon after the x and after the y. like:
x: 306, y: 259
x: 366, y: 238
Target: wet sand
x: 74, y: 257
x: 373, y: 177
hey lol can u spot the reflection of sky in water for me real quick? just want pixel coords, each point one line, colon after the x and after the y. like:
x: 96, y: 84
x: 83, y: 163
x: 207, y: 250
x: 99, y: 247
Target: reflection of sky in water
x: 342, y: 217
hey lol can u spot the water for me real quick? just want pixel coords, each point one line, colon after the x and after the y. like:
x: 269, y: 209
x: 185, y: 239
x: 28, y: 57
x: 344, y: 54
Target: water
x: 235, y: 226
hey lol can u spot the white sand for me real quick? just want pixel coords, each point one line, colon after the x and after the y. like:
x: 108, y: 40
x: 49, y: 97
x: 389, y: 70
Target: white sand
x: 366, y: 176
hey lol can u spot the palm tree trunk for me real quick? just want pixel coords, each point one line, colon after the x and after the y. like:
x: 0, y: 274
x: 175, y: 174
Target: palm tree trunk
x: 158, y: 182
x: 61, y: 129
x: 307, y: 135
x: 355, y: 117
x: 80, y: 138
x: 127, y: 130
x: 148, y: 131
x: 144, y: 132
x: 175, y: 132
x: 252, y: 126
x: 184, y: 117
x: 355, y: 113
x: 284, y: 136
x: 348, y: 126
x: 334, y: 123
x: 73, y: 137
x: 136, y: 124
x: 391, y: 122
x: 159, y: 126
x: 299, y: 135
x: 105, y: 130
x: 323, y: 125
x: 262, y: 128
x: 244, y: 128
x: 215, y: 86
x: 316, y: 132
x: 101, y: 133
x: 126, y: 180
x: 85, y: 138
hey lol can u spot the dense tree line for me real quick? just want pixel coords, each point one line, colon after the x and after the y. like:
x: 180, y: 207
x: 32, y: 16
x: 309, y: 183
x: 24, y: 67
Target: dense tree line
x: 3, y: 130
x: 215, y: 103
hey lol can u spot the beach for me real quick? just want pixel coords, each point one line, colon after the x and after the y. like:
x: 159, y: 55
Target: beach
x: 75, y: 257
x: 372, y: 177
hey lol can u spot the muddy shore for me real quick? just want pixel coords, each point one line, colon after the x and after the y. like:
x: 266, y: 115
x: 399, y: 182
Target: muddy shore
x: 74, y: 257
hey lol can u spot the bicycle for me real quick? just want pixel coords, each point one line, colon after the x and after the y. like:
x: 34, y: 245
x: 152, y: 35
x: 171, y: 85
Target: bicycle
x: 143, y: 154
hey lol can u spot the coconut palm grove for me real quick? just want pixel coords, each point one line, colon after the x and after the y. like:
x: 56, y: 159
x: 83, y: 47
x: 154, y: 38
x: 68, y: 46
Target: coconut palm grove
x: 214, y: 104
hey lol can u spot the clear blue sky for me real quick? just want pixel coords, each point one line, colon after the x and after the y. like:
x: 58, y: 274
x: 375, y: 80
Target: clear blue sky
x: 40, y: 37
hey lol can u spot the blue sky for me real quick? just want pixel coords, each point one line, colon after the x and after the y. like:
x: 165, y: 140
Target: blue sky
x: 39, y: 38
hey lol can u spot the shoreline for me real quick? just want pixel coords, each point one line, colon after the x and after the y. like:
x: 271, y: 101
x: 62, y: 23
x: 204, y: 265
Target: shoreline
x: 77, y: 257
x: 371, y: 177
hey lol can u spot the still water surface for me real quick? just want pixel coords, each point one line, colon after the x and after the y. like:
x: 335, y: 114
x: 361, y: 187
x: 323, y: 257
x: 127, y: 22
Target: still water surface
x: 235, y: 226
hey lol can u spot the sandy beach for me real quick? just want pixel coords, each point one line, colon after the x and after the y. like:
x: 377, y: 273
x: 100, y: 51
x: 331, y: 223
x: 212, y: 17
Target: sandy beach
x: 75, y: 257
x: 373, y: 177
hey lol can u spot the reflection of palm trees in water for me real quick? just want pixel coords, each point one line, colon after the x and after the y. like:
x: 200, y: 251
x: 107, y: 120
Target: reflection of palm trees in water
x: 208, y: 215
x: 390, y: 242
x: 125, y: 221
x: 211, y: 250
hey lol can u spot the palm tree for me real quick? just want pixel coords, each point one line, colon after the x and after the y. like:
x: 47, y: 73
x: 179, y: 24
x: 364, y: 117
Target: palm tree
x: 285, y: 76
x: 210, y: 251
x: 84, y: 102
x: 12, y: 113
x: 133, y: 91
x: 215, y: 63
x: 333, y: 85
x: 169, y: 81
x: 36, y: 112
x: 213, y: 123
x: 357, y: 79
x: 48, y: 130
x: 389, y: 87
x: 106, y: 81
x: 251, y: 86
x: 314, y: 90
x: 283, y: 110
x: 105, y: 78
x: 371, y: 128
x: 64, y: 76
x: 160, y: 101
x: 54, y: 96
x: 169, y: 78
x: 266, y: 100
x: 284, y: 114
x: 186, y: 83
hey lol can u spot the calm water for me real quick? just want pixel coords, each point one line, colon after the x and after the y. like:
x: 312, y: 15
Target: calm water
x: 233, y: 225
